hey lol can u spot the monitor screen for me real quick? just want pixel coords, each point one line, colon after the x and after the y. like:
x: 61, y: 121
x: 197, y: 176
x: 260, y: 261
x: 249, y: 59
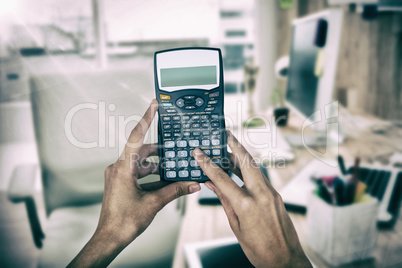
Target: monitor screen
x: 188, y: 76
x: 302, y: 82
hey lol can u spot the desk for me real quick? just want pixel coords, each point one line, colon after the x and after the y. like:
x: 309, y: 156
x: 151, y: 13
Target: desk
x: 202, y: 223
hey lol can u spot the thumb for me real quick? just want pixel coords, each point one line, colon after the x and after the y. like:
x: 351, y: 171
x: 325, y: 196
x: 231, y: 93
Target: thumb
x: 175, y: 190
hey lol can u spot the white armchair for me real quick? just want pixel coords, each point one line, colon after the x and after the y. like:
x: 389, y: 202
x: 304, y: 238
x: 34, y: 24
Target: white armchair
x: 68, y: 182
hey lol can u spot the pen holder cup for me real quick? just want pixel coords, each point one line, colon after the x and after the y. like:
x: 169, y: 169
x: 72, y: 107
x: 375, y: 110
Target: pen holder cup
x: 342, y: 234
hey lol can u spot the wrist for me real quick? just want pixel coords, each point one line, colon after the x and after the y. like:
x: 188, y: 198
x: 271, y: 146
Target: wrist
x: 100, y: 250
x: 295, y: 259
x: 283, y: 258
x: 116, y: 237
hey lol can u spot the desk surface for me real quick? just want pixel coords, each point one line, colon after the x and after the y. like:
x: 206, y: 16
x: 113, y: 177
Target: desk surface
x: 202, y: 223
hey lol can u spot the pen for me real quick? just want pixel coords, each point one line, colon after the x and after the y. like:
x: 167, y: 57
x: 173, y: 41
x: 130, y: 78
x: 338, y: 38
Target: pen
x: 341, y: 164
x: 339, y: 188
x: 360, y: 190
x: 355, y: 170
x: 351, y: 185
x: 328, y: 179
x: 349, y: 193
x: 324, y: 192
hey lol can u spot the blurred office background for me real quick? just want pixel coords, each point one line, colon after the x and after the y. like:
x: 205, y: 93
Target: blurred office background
x: 57, y: 54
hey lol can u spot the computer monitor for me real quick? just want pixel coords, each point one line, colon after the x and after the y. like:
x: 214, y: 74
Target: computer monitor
x: 313, y: 63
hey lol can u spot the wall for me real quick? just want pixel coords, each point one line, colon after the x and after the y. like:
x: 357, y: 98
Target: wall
x: 370, y: 59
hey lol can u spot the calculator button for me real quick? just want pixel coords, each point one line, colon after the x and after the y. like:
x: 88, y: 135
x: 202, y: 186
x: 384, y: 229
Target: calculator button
x: 215, y: 124
x: 186, y: 134
x: 209, y: 109
x: 167, y: 135
x: 214, y: 116
x: 205, y: 133
x: 189, y: 97
x: 194, y: 143
x: 180, y: 103
x: 182, y: 153
x: 176, y: 118
x: 191, y: 152
x: 193, y: 163
x: 183, y: 173
x: 189, y: 101
x: 170, y: 164
x: 215, y: 132
x: 204, y: 117
x: 205, y: 125
x: 171, y: 111
x: 212, y: 102
x: 182, y: 163
x: 181, y: 144
x: 169, y: 144
x: 186, y: 117
x: 177, y: 134
x: 176, y: 126
x: 164, y: 97
x: 205, y: 142
x: 186, y: 126
x: 166, y: 118
x: 196, y: 125
x: 216, y: 152
x: 216, y: 142
x: 190, y: 107
x: 215, y: 94
x: 170, y: 154
x: 217, y: 161
x: 167, y: 127
x: 167, y: 104
x: 171, y: 174
x: 195, y: 173
x: 199, y: 102
x: 207, y: 152
x: 196, y: 133
x: 195, y: 117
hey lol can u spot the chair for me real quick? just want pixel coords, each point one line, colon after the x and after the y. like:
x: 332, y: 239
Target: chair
x: 97, y: 104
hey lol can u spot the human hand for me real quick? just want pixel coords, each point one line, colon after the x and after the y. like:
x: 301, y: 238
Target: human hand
x: 255, y: 211
x: 128, y: 207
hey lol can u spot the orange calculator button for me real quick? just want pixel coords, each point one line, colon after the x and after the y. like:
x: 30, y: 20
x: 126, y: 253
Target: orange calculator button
x: 164, y: 97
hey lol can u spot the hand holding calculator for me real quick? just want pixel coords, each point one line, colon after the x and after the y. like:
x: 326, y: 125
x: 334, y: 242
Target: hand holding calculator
x: 189, y: 90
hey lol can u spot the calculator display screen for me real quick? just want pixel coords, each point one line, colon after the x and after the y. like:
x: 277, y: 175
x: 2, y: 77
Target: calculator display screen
x: 188, y: 76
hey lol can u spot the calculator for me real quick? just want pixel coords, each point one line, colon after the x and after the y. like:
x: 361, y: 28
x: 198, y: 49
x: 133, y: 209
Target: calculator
x: 189, y: 90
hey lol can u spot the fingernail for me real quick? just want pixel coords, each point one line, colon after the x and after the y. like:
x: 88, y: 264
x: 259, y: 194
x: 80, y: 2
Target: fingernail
x: 198, y: 152
x: 194, y: 188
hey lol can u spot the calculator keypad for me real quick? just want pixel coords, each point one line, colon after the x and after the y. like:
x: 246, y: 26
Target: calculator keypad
x: 183, y: 130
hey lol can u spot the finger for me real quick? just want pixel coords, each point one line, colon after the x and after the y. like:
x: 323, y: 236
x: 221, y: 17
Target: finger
x: 233, y: 167
x: 172, y: 191
x: 136, y: 138
x: 219, y: 177
x: 232, y: 217
x: 233, y: 160
x: 153, y: 186
x: 149, y: 149
x: 147, y: 168
x: 251, y: 174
